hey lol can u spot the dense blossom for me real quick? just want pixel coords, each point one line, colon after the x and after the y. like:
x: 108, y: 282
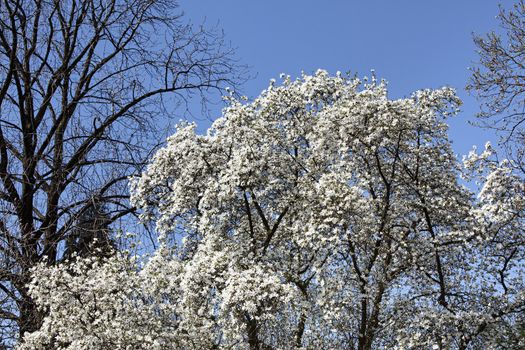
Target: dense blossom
x: 95, y: 303
x: 321, y: 215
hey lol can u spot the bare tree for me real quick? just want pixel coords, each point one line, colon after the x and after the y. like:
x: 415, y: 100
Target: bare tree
x: 85, y: 87
x: 498, y: 80
x: 92, y: 234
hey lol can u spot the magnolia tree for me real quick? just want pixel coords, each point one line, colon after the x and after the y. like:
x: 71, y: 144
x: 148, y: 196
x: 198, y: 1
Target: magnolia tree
x: 109, y: 304
x: 321, y: 215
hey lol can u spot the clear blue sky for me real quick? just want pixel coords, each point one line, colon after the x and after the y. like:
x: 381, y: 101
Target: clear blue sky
x: 412, y: 44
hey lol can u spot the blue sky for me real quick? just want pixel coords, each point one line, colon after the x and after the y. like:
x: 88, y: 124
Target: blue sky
x: 412, y: 44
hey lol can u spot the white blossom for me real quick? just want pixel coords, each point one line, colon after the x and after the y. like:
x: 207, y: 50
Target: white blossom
x: 320, y: 215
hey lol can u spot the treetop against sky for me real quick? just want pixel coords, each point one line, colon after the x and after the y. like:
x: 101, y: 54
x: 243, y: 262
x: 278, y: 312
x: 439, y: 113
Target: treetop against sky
x: 412, y: 44
x: 322, y: 215
x: 318, y: 206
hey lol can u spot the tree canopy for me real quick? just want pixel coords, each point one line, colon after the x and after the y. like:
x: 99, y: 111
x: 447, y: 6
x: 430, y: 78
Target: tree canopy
x: 498, y: 79
x: 84, y: 87
x: 322, y: 214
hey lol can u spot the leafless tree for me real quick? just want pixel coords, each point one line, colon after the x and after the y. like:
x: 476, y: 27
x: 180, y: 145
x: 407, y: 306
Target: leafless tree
x: 92, y: 234
x: 498, y: 80
x: 85, y: 88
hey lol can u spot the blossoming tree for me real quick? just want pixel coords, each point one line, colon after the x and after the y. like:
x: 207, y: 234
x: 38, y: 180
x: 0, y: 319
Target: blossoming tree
x: 321, y: 215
